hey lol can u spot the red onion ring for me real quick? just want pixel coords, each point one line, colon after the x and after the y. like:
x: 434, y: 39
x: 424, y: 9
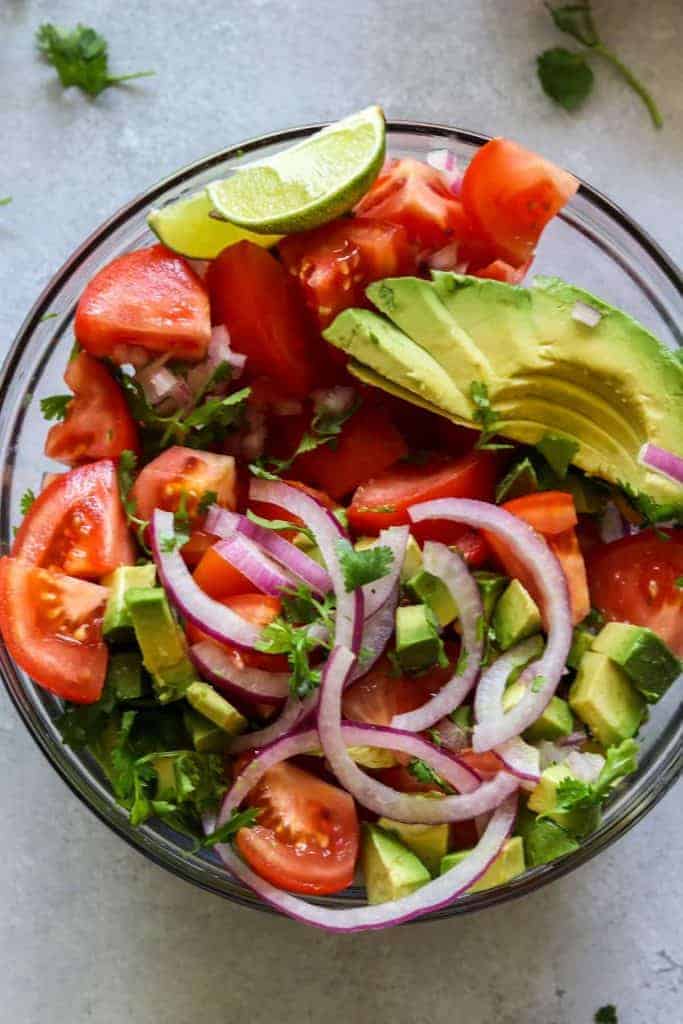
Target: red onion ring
x: 255, y: 564
x: 489, y: 695
x: 376, y: 594
x: 662, y: 461
x: 520, y: 759
x: 223, y: 669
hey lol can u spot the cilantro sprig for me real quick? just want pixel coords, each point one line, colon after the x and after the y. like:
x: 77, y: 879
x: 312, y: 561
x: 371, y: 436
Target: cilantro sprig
x: 80, y: 57
x: 575, y: 795
x: 290, y: 634
x: 486, y: 416
x: 364, y: 566
x: 226, y: 832
x: 54, y: 406
x: 421, y: 771
x: 26, y: 500
x: 566, y: 75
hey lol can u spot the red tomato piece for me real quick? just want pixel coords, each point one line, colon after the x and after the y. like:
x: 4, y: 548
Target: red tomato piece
x: 549, y: 512
x: 368, y: 444
x: 418, y: 197
x: 334, y: 263
x: 253, y: 295
x: 219, y: 578
x: 510, y: 194
x: 381, y: 694
x: 77, y: 525
x: 259, y: 610
x: 499, y: 270
x: 52, y: 626
x: 98, y: 423
x: 151, y: 298
x: 635, y: 580
x: 184, y: 471
x: 199, y: 543
x: 266, y: 511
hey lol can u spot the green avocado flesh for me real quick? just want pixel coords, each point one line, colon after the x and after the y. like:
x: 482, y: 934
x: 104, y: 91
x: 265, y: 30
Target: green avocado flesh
x: 609, y: 389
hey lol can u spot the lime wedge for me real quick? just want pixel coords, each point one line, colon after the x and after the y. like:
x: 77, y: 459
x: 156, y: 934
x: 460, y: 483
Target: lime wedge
x: 308, y: 184
x: 186, y: 227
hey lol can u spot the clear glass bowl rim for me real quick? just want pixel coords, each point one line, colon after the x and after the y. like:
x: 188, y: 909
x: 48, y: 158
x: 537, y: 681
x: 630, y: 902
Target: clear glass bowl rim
x: 661, y: 774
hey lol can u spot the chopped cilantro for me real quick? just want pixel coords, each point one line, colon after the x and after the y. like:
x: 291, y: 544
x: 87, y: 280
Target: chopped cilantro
x: 172, y: 541
x: 652, y: 511
x: 679, y: 583
x: 537, y: 683
x: 128, y: 462
x: 207, y: 499
x: 558, y: 451
x: 421, y: 771
x: 573, y: 794
x: 325, y: 429
x: 54, y: 406
x: 280, y: 525
x: 366, y: 566
x: 485, y: 416
x: 227, y: 832
x: 80, y: 58
x: 26, y: 500
x: 290, y: 634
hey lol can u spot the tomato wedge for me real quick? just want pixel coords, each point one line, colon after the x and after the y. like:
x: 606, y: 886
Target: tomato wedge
x: 499, y: 270
x: 151, y: 298
x: 266, y: 511
x: 52, y: 626
x: 259, y: 610
x: 219, y: 578
x: 334, y: 263
x: 381, y: 694
x: 635, y: 580
x: 549, y: 512
x: 98, y: 423
x: 307, y: 835
x: 510, y: 194
x: 77, y: 525
x: 259, y: 303
x: 184, y: 471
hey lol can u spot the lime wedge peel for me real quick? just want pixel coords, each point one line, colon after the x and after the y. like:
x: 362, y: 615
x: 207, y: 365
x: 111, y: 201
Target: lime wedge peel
x: 187, y: 228
x: 308, y: 184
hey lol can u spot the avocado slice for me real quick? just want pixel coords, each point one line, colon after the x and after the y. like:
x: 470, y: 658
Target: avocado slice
x: 433, y: 592
x: 543, y: 800
x: 124, y: 675
x: 206, y: 737
x: 428, y: 842
x: 390, y: 869
x: 603, y: 698
x: 508, y: 865
x: 544, y: 840
x: 162, y: 642
x: 209, y: 703
x: 516, y: 616
x: 117, y: 624
x: 418, y: 644
x: 556, y: 719
x: 643, y: 656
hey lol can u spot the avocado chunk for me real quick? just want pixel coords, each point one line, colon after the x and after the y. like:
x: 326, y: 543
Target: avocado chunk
x: 544, y: 840
x: 117, y: 624
x: 582, y: 640
x: 603, y: 698
x: 209, y: 703
x: 433, y: 592
x: 491, y: 586
x: 390, y: 869
x: 519, y: 480
x: 418, y: 644
x: 412, y: 560
x: 124, y: 675
x: 508, y: 865
x: 516, y: 616
x: 643, y: 656
x: 543, y: 800
x: 556, y: 720
x: 161, y: 640
x: 206, y: 737
x: 428, y: 842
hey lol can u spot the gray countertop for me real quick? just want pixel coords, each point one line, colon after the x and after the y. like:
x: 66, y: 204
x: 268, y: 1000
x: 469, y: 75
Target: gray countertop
x: 89, y: 930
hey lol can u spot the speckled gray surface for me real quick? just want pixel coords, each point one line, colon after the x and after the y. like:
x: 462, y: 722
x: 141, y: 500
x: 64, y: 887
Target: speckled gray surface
x: 89, y: 931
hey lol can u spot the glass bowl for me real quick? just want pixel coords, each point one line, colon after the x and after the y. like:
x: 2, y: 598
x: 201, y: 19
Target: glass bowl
x: 592, y: 243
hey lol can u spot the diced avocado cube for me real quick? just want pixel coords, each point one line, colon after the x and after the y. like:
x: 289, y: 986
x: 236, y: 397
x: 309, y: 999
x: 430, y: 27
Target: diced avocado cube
x: 206, y: 737
x: 390, y: 869
x: 161, y: 640
x: 582, y: 639
x: 603, y: 698
x: 543, y: 800
x: 516, y: 616
x: 208, y: 702
x: 428, y: 842
x: 418, y: 644
x: 491, y: 586
x: 124, y: 675
x: 643, y: 656
x: 363, y: 543
x: 555, y: 721
x: 433, y: 592
x: 412, y: 560
x: 117, y: 624
x: 521, y: 479
x: 508, y: 865
x: 544, y: 840
x: 373, y: 757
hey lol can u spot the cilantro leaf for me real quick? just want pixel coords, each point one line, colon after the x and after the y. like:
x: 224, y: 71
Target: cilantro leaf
x: 565, y: 76
x: 27, y: 499
x: 606, y: 1015
x: 5, y: 200
x: 173, y: 541
x: 280, y: 525
x: 573, y: 794
x: 80, y: 58
x: 421, y: 771
x: 679, y: 583
x: 361, y: 567
x: 127, y: 467
x: 54, y: 406
x: 290, y: 634
x: 577, y: 21
x: 226, y: 832
x: 207, y: 499
x: 652, y: 511
x: 558, y: 452
x: 485, y: 415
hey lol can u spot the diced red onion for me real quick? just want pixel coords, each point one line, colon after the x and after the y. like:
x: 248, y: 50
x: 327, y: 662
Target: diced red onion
x: 212, y: 617
x: 335, y: 401
x: 545, y: 570
x: 226, y: 670
x: 491, y: 687
x: 612, y: 525
x: 558, y: 751
x: 447, y: 162
x: 585, y: 314
x: 381, y: 799
x: 156, y: 380
x: 327, y: 532
x: 662, y: 461
x: 376, y: 594
x: 452, y: 570
x: 253, y: 436
x: 520, y: 759
x: 252, y: 562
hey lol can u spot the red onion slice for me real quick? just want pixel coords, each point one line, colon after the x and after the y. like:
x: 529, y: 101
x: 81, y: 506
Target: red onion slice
x: 376, y: 594
x: 224, y: 670
x: 531, y: 549
x: 213, y: 618
x: 489, y: 696
x: 452, y: 569
x: 327, y: 532
x: 253, y: 563
x: 381, y: 799
x: 585, y: 766
x: 520, y: 759
x: 377, y: 631
x: 662, y: 461
x: 294, y: 713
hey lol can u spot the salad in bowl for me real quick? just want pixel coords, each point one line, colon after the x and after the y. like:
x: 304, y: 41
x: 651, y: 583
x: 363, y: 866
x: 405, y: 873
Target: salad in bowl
x: 364, y: 562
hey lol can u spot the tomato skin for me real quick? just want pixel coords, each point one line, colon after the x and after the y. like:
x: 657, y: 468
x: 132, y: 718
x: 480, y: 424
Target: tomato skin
x: 634, y: 580
x: 218, y: 578
x: 98, y: 423
x: 416, y: 196
x: 381, y: 694
x: 549, y: 512
x: 384, y: 500
x: 187, y: 471
x: 256, y: 299
x: 510, y: 194
x: 334, y: 263
x: 499, y: 270
x: 151, y: 298
x: 259, y: 610
x: 566, y: 548
x: 77, y: 525
x: 368, y: 444
x: 42, y: 615
x: 266, y: 511
x: 199, y: 543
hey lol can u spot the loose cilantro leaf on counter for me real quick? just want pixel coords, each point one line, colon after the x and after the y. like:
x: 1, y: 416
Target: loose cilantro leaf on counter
x: 54, y: 406
x: 80, y: 58
x: 27, y: 499
x: 485, y: 415
x: 558, y: 452
x: 366, y: 566
x: 565, y: 76
x: 226, y: 832
x: 606, y: 1015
